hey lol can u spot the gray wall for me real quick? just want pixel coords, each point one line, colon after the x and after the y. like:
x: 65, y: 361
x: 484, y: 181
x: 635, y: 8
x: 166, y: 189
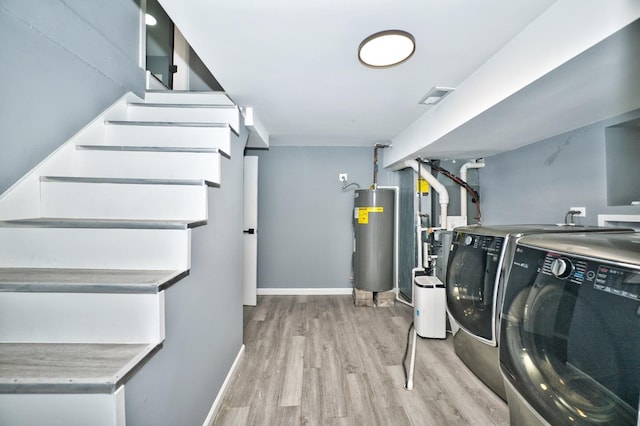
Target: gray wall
x: 305, y: 233
x: 305, y: 219
x: 179, y: 383
x: 540, y: 182
x: 623, y: 173
x: 64, y: 62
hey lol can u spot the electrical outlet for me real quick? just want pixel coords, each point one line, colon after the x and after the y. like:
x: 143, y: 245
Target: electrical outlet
x: 582, y: 210
x: 342, y: 177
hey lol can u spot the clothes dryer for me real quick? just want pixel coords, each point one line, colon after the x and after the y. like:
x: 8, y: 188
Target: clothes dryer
x: 570, y: 335
x: 478, y: 265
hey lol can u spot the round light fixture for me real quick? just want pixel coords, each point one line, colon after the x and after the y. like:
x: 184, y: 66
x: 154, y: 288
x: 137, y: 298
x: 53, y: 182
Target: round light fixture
x: 150, y: 20
x: 386, y: 48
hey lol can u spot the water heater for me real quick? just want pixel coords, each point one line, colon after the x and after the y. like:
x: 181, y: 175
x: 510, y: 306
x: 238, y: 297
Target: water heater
x: 373, y: 243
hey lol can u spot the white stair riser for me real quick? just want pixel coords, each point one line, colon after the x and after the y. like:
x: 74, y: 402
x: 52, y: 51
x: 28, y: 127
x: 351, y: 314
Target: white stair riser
x: 169, y: 136
x: 149, y: 165
x: 123, y: 201
x: 63, y: 409
x: 139, y: 249
x: 81, y: 317
x: 191, y: 98
x: 185, y: 114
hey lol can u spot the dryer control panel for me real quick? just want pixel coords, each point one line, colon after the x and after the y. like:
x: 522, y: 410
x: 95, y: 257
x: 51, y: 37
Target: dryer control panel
x: 604, y: 277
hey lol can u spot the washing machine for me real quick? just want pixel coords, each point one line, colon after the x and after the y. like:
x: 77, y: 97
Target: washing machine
x: 478, y: 265
x: 570, y: 334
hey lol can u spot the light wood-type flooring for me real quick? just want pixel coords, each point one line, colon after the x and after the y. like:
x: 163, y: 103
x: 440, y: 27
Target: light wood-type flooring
x: 319, y: 360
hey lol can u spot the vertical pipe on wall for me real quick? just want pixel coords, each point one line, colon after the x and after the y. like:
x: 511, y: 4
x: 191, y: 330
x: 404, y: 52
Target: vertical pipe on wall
x: 437, y: 186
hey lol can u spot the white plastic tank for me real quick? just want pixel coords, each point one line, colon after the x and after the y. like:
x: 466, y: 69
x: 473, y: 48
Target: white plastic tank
x: 429, y: 302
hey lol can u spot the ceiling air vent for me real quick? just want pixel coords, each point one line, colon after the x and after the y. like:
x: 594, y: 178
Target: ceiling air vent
x: 435, y: 95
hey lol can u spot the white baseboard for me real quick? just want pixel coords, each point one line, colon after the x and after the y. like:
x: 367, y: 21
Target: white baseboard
x: 216, y: 403
x: 304, y: 291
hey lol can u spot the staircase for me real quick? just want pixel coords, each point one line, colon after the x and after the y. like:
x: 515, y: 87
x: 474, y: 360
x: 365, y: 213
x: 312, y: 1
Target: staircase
x: 89, y: 243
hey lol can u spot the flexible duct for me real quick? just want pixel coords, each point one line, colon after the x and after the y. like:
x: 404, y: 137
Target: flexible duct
x: 463, y: 191
x: 437, y: 186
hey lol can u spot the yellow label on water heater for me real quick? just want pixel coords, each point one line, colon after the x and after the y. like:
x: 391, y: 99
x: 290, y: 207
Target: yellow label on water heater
x: 363, y: 213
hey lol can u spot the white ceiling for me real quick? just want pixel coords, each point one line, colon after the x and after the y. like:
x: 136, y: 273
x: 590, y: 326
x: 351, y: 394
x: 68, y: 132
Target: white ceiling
x: 295, y: 62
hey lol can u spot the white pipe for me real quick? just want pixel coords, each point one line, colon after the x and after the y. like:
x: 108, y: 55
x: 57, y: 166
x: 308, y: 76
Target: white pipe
x: 463, y: 192
x: 437, y: 186
x: 420, y: 259
x: 412, y: 362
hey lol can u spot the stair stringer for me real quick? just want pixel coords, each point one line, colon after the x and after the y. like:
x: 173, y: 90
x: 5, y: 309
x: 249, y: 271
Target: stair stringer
x: 63, y: 409
x: 22, y: 201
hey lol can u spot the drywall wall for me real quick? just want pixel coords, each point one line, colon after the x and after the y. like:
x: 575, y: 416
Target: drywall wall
x: 178, y: 385
x: 539, y: 183
x: 622, y: 148
x: 64, y: 62
x: 305, y: 218
x: 200, y: 78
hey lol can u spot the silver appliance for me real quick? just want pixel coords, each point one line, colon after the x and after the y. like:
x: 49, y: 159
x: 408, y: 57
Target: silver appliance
x: 570, y: 339
x: 477, y: 267
x: 373, y: 239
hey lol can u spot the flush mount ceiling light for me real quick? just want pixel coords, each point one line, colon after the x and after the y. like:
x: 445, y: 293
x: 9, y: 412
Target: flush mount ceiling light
x: 435, y: 95
x: 150, y: 20
x: 386, y: 48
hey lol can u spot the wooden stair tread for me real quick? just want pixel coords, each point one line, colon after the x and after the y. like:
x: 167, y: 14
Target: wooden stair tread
x: 182, y: 105
x: 124, y: 181
x: 87, y: 280
x: 99, y: 223
x: 131, y: 181
x: 67, y: 367
x: 193, y: 96
x: 148, y: 148
x: 141, y: 148
x: 170, y: 123
x: 165, y: 123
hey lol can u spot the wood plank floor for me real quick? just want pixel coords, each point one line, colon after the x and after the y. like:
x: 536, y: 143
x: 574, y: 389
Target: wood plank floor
x: 319, y: 360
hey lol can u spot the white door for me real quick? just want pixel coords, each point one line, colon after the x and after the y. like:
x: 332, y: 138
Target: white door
x: 250, y: 231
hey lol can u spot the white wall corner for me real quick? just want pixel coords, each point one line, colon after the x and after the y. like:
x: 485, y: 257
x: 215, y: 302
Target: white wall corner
x: 121, y: 419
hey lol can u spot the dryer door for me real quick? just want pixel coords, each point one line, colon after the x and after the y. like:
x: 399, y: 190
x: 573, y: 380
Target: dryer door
x: 571, y: 337
x: 471, y: 280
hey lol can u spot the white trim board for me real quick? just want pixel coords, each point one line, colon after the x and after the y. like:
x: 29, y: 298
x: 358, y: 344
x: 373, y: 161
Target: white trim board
x: 621, y: 220
x: 208, y: 421
x: 304, y: 291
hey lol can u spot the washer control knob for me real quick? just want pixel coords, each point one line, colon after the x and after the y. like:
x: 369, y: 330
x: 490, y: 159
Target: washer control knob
x: 468, y: 240
x: 561, y: 267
